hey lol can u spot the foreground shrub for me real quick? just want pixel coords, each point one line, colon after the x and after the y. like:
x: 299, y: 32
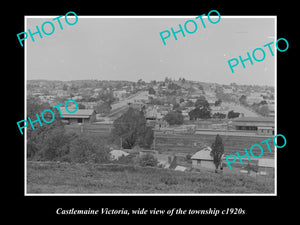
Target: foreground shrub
x: 169, y: 180
x: 82, y: 149
x: 148, y: 160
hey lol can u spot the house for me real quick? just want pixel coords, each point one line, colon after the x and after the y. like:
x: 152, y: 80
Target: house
x: 203, y: 160
x: 266, y: 166
x: 116, y: 154
x: 81, y: 116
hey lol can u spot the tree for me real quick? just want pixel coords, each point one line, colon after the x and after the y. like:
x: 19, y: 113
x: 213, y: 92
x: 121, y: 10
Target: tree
x: 145, y: 140
x: 55, y: 143
x: 201, y: 102
x: 263, y: 110
x: 140, y: 82
x: 103, y: 108
x: 153, y: 82
x: 263, y: 102
x: 173, y: 86
x: 217, y: 151
x: 73, y: 88
x: 243, y: 100
x: 131, y: 129
x: 202, y: 109
x: 232, y: 114
x: 40, y: 139
x: 174, y: 117
x: 83, y: 149
x: 65, y: 87
x: 194, y: 114
x: 200, y: 113
x: 107, y: 97
x: 218, y: 102
x: 151, y: 91
x: 175, y: 106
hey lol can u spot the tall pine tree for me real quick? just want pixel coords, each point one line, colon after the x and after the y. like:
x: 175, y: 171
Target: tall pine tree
x: 217, y: 151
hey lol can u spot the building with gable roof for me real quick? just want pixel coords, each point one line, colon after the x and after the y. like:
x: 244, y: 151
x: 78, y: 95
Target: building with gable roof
x: 81, y: 116
x: 203, y: 160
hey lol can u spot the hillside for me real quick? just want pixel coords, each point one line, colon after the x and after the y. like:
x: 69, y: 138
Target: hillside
x: 54, y: 177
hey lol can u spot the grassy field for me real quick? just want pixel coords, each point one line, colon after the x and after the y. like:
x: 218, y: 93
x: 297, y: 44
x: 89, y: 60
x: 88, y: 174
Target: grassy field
x: 55, y: 177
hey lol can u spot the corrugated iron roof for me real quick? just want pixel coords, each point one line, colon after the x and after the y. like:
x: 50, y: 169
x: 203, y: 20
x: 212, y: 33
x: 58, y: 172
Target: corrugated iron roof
x: 254, y: 119
x: 80, y: 113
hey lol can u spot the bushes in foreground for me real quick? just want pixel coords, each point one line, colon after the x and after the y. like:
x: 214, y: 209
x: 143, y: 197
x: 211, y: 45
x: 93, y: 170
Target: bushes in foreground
x: 59, y: 145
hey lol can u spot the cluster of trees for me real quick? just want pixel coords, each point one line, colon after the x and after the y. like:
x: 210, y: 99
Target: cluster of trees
x: 217, y: 151
x: 130, y: 130
x: 202, y: 110
x: 232, y: 114
x: 151, y: 91
x: 261, y: 108
x: 53, y: 142
x: 174, y: 118
x: 219, y: 116
x: 173, y: 86
x: 103, y: 108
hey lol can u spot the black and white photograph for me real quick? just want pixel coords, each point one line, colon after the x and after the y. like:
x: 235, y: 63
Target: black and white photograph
x: 149, y: 105
x: 184, y: 113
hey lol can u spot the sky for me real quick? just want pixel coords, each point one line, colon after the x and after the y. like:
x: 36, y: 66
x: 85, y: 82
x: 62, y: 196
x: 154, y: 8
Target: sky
x: 131, y: 48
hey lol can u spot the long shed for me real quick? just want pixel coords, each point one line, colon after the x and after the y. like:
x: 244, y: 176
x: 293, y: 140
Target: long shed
x: 81, y: 116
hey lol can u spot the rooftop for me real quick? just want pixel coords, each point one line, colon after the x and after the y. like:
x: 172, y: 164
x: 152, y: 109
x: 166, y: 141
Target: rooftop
x: 80, y: 113
x: 254, y: 119
x: 203, y: 154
